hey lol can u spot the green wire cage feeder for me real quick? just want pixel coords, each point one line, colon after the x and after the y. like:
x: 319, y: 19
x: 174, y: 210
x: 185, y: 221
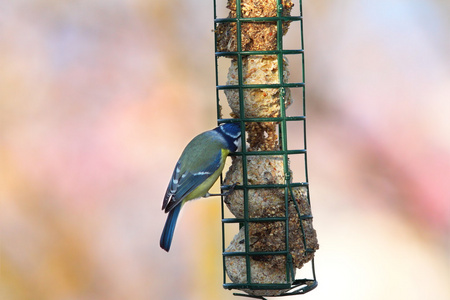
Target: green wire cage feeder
x: 269, y: 210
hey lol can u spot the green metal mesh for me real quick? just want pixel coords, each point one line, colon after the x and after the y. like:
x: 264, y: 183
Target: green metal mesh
x: 291, y: 285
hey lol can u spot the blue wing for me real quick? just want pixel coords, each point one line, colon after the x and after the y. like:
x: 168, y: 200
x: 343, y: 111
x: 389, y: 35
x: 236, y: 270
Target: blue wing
x: 183, y: 183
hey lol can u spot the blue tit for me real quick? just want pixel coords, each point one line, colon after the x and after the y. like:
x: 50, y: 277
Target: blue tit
x: 198, y: 168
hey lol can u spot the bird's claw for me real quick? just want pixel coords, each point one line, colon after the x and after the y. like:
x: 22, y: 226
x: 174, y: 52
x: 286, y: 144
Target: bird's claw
x: 230, y: 188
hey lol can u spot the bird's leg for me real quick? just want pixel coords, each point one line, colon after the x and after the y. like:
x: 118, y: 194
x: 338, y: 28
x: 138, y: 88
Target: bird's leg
x: 230, y: 189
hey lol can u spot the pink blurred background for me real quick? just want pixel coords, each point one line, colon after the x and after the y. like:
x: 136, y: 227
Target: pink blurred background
x: 99, y: 97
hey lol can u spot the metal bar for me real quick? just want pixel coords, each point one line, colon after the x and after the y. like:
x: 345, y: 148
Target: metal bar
x: 265, y: 52
x: 259, y: 19
x: 259, y: 86
x: 294, y: 286
x: 275, y: 119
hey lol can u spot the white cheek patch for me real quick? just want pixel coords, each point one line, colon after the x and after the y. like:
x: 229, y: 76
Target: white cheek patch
x: 238, y: 144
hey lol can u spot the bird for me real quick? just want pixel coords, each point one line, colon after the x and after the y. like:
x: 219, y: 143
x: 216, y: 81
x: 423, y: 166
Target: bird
x: 197, y: 169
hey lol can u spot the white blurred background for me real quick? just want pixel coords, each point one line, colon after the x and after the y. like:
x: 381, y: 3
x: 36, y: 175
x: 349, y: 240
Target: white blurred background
x: 99, y: 97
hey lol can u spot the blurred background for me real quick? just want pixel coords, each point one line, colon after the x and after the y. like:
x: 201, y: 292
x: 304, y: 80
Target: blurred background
x: 99, y: 97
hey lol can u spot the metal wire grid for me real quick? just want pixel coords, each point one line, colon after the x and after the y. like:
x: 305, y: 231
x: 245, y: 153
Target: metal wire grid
x: 299, y: 286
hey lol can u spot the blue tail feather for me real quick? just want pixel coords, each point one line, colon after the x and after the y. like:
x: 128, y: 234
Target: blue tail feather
x: 169, y: 228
